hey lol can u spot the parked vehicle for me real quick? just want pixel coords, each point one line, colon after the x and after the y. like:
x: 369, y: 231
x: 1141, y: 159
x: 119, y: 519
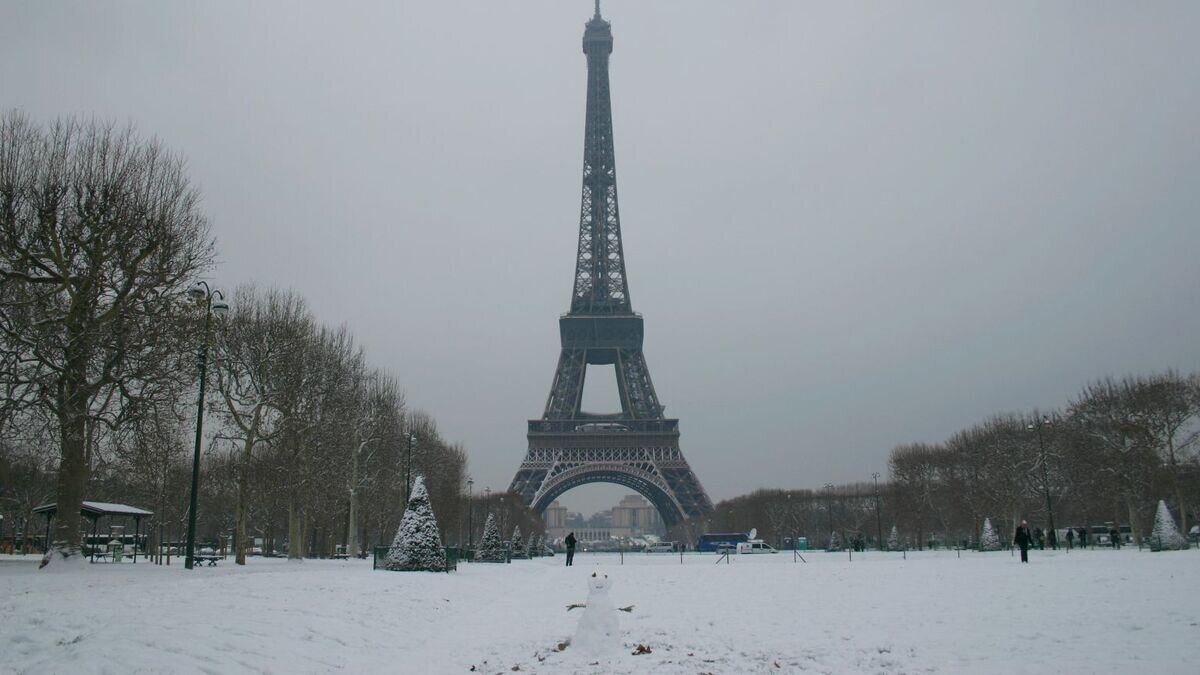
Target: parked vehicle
x: 660, y: 547
x: 712, y: 542
x: 1099, y: 535
x: 755, y: 546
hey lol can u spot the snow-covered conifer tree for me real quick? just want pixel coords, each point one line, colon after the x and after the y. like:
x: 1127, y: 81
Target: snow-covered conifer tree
x: 1165, y: 536
x: 518, y: 545
x: 490, y: 547
x: 835, y: 542
x: 418, y: 544
x: 535, y: 545
x: 989, y: 540
x: 893, y: 540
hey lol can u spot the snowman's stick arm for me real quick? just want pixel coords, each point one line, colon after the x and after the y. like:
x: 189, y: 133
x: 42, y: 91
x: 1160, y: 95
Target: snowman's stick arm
x: 625, y: 609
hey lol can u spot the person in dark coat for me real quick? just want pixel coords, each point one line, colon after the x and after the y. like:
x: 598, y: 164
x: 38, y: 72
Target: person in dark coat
x: 570, y: 542
x: 1038, y: 538
x: 1114, y: 537
x: 1070, y: 538
x: 1023, y: 539
x: 1082, y: 537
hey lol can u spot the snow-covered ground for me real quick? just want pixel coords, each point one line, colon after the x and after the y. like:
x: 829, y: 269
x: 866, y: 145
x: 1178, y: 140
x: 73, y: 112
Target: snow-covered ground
x: 1080, y: 612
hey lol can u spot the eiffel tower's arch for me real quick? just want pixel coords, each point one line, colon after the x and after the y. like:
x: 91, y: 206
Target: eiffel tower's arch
x: 640, y: 480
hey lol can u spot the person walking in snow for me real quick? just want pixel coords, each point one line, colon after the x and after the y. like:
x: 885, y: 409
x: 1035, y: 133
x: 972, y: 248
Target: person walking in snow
x: 1038, y: 538
x: 570, y: 542
x: 1114, y: 537
x: 1023, y: 540
x: 1070, y: 538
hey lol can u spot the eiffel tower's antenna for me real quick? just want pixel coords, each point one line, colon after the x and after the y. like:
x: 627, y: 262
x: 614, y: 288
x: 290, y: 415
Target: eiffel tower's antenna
x: 597, y: 9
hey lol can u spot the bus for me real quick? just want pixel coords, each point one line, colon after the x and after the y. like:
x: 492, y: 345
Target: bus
x: 717, y: 541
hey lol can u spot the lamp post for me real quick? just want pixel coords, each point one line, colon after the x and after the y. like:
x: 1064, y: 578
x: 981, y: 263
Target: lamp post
x: 1037, y: 425
x: 214, y: 303
x: 829, y: 507
x: 487, y: 503
x: 412, y: 438
x: 878, y: 520
x: 503, y: 518
x: 470, y: 512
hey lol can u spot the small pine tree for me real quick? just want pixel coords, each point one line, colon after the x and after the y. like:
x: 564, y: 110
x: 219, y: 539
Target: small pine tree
x: 518, y: 545
x: 1165, y: 536
x: 835, y: 542
x: 893, y: 540
x: 418, y: 544
x: 535, y: 541
x: 490, y: 547
x: 989, y: 540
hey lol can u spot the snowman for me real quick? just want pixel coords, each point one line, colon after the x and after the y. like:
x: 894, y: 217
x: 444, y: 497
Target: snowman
x: 598, y: 633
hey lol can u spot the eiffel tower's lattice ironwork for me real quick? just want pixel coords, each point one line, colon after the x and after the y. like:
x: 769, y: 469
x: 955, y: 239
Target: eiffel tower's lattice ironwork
x: 637, y: 447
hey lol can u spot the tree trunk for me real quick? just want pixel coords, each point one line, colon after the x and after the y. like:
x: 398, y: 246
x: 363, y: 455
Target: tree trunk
x: 72, y: 476
x: 352, y: 529
x: 1135, y: 527
x: 243, y: 488
x: 1183, y: 527
x: 295, y: 535
x: 239, y: 516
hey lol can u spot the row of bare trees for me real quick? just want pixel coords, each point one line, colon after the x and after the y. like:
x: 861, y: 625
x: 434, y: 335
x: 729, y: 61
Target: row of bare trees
x: 1108, y: 456
x: 101, y: 237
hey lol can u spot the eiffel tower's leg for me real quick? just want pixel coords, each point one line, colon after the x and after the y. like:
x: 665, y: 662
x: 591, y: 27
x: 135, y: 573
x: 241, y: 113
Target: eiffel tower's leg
x: 637, y: 391
x: 566, y: 393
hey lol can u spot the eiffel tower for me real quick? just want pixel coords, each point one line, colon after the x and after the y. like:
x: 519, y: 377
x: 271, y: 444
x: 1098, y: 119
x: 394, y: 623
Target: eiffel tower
x: 637, y: 447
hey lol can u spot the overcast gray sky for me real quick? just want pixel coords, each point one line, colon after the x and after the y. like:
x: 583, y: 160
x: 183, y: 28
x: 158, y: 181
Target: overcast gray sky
x: 847, y: 225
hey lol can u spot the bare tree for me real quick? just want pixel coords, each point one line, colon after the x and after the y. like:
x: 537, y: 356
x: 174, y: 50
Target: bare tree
x: 100, y: 236
x: 264, y: 335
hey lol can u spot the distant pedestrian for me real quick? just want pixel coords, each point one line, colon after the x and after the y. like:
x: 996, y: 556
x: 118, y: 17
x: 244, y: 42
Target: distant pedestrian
x: 1114, y: 537
x: 1053, y: 540
x: 570, y: 542
x: 1082, y: 537
x: 1039, y: 538
x: 1023, y: 540
x: 1070, y: 538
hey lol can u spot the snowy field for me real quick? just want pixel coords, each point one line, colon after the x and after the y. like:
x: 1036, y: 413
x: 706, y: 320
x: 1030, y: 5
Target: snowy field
x: 1081, y: 612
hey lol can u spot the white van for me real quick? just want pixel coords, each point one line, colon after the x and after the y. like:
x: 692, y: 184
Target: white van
x: 660, y: 547
x: 755, y: 546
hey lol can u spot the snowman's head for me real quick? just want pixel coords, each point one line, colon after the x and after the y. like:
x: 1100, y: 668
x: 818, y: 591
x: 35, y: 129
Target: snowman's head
x: 598, y: 583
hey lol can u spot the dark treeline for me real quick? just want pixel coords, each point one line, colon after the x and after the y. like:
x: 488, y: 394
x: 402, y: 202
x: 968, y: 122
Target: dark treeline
x: 307, y: 447
x: 1108, y: 456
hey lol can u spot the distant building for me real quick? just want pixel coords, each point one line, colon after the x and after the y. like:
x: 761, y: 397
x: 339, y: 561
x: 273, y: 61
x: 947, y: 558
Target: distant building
x: 632, y: 517
x: 555, y: 517
x: 635, y: 516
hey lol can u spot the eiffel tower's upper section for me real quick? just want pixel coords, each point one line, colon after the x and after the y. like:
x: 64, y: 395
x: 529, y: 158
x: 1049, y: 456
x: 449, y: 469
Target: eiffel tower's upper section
x: 600, y: 283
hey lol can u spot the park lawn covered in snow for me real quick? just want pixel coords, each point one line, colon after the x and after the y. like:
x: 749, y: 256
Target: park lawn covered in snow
x: 1084, y: 611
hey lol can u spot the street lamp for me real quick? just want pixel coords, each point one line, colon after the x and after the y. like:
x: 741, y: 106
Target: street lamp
x: 878, y: 521
x: 412, y: 438
x: 470, y: 511
x: 829, y: 507
x: 1037, y: 425
x: 214, y: 303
